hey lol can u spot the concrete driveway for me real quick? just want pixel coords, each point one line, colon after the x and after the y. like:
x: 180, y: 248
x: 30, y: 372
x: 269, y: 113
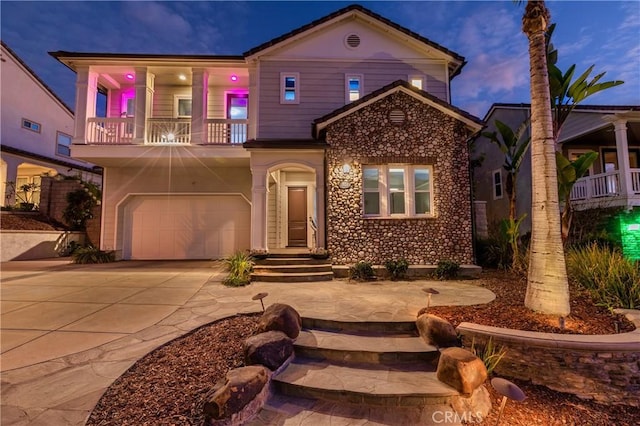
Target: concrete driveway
x: 68, y: 331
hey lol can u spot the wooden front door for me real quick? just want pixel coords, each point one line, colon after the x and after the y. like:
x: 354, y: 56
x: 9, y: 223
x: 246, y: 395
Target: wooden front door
x: 297, y: 216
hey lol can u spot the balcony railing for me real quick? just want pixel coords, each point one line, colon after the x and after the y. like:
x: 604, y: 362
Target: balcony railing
x: 603, y: 185
x: 165, y: 131
x: 102, y: 130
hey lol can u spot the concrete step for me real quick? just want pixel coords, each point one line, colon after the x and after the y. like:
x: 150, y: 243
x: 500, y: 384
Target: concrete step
x: 372, y: 328
x: 293, y: 269
x: 291, y: 261
x: 390, y: 385
x: 291, y: 277
x: 288, y: 410
x: 344, y: 348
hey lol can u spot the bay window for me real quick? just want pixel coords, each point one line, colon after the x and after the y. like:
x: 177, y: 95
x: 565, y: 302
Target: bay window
x: 397, y: 190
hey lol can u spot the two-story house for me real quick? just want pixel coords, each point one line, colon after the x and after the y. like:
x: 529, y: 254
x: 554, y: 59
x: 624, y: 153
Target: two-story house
x: 339, y: 134
x: 613, y: 181
x: 37, y: 128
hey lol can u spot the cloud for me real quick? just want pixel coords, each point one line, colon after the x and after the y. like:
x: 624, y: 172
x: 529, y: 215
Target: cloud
x: 157, y: 17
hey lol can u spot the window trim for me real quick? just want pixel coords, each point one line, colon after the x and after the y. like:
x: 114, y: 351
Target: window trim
x: 347, y: 89
x: 296, y: 88
x: 422, y: 79
x: 176, y: 105
x: 495, y: 184
x: 409, y: 191
x: 58, y: 145
x: 29, y: 126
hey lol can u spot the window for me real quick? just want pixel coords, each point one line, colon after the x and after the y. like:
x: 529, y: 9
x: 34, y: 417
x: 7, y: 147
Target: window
x: 182, y: 105
x: 290, y: 88
x: 353, y: 87
x: 128, y: 105
x: 31, y: 125
x: 64, y: 144
x: 397, y: 190
x: 417, y: 81
x: 497, y: 184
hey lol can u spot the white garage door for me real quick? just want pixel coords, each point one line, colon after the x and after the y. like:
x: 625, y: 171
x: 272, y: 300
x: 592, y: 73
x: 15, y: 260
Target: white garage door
x: 188, y: 227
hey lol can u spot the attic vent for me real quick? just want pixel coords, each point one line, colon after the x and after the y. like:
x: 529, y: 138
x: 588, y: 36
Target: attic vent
x: 397, y: 116
x: 353, y: 40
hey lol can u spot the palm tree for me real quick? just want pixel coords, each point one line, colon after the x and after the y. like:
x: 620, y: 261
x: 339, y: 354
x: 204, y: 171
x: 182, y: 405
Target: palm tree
x: 547, y: 284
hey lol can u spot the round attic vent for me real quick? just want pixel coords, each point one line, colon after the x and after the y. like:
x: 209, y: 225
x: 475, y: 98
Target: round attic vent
x: 353, y: 40
x: 397, y: 116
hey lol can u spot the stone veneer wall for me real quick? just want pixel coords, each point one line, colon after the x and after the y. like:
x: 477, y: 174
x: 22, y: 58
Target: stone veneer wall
x: 427, y: 137
x: 605, y: 368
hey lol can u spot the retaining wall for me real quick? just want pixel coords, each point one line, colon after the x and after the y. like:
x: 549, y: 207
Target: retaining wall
x: 605, y: 368
x: 28, y: 245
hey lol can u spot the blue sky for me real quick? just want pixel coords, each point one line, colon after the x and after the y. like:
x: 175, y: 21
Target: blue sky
x: 486, y: 33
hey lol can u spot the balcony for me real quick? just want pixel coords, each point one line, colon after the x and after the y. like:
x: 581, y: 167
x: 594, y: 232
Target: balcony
x: 164, y: 131
x: 604, y: 190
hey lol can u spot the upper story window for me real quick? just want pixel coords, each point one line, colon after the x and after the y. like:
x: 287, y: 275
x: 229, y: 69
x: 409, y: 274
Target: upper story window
x: 63, y: 144
x: 497, y: 184
x: 128, y: 105
x: 398, y: 190
x: 289, y: 88
x: 353, y: 87
x: 182, y: 106
x: 417, y: 81
x: 31, y: 125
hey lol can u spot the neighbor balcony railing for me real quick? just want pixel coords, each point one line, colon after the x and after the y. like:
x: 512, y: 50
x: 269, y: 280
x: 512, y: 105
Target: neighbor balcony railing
x: 165, y: 131
x: 603, y: 185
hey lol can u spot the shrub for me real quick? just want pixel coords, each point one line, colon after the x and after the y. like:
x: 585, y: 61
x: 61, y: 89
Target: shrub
x: 90, y: 254
x: 397, y: 268
x: 612, y: 280
x: 490, y: 354
x: 240, y: 266
x: 362, y: 271
x: 447, y: 269
x: 80, y: 204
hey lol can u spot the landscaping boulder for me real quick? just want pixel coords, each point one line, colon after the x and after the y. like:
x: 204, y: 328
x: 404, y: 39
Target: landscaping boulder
x: 270, y: 349
x: 281, y: 317
x: 437, y: 331
x: 474, y: 408
x: 461, y: 370
x: 235, y: 391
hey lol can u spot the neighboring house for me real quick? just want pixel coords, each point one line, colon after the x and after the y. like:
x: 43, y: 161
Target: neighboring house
x: 37, y: 129
x: 613, y: 181
x: 337, y: 135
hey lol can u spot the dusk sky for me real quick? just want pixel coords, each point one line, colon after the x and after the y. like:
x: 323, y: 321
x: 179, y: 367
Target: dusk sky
x: 487, y: 34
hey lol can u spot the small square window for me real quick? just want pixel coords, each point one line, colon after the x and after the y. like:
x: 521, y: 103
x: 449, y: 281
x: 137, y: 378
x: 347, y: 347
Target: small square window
x: 31, y: 125
x: 353, y: 87
x: 183, y: 106
x: 417, y: 81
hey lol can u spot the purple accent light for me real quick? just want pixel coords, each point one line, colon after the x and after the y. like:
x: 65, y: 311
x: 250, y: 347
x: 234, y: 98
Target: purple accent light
x: 234, y: 77
x: 130, y: 76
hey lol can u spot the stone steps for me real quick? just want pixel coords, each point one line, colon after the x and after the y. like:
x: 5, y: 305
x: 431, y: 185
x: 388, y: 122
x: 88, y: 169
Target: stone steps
x: 372, y: 328
x: 291, y: 277
x: 291, y: 267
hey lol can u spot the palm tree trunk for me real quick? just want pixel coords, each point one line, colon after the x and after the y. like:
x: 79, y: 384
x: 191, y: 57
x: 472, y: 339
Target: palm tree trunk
x: 547, y: 286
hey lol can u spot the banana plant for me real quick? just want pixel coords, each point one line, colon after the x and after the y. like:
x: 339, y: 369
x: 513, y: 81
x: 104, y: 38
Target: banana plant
x: 568, y: 174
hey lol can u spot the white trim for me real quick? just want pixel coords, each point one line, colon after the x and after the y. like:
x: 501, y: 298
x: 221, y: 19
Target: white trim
x: 176, y: 104
x: 296, y: 88
x: 310, y: 192
x: 494, y: 184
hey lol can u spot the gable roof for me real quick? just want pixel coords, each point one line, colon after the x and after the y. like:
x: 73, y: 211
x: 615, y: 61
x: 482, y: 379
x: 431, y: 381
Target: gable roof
x: 36, y: 77
x: 457, y: 61
x: 471, y: 121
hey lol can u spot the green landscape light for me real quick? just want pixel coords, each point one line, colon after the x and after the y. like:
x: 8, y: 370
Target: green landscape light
x: 630, y: 234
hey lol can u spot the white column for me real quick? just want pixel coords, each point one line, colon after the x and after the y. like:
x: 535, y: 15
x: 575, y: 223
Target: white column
x: 622, y: 150
x: 143, y: 103
x: 11, y: 167
x: 259, y: 208
x: 199, y: 94
x: 86, y: 98
x: 321, y: 239
x: 252, y: 131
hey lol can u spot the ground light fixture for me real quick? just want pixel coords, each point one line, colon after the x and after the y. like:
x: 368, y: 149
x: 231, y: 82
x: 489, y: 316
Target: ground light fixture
x: 429, y: 292
x: 508, y: 390
x: 259, y: 297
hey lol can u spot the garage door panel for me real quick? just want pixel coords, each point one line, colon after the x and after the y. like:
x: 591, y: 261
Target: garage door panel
x: 189, y: 227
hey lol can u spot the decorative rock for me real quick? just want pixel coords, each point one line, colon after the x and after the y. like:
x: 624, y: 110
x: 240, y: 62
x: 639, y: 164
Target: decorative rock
x: 270, y: 349
x: 437, y: 331
x: 474, y: 408
x: 234, y: 392
x: 461, y: 370
x: 281, y: 317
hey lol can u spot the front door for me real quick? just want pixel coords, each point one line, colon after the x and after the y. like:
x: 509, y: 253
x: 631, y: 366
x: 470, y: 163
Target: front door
x: 297, y: 216
x: 237, y: 107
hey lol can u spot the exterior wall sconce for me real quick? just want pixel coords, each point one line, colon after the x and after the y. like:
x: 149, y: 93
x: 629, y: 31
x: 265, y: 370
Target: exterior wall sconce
x: 346, y: 168
x: 234, y: 77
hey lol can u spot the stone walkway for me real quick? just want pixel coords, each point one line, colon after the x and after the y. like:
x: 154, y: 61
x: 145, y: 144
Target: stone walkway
x: 68, y: 331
